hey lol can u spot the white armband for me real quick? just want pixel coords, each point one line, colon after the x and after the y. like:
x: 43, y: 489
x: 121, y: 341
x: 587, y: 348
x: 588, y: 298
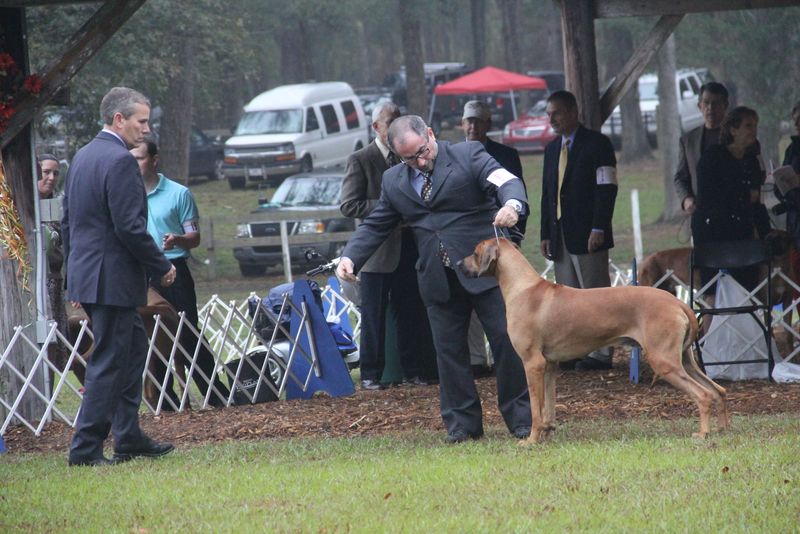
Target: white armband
x: 607, y: 176
x: 190, y: 226
x: 499, y: 177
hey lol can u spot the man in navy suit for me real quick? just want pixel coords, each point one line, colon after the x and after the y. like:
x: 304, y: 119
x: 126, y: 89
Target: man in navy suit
x: 449, y: 196
x: 109, y: 256
x: 579, y: 188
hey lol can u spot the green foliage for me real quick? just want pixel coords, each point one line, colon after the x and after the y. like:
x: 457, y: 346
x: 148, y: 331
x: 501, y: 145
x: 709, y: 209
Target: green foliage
x: 604, y: 475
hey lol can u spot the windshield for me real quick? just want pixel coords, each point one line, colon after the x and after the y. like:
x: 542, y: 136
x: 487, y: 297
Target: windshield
x: 538, y: 109
x: 647, y: 90
x: 311, y: 191
x: 274, y: 121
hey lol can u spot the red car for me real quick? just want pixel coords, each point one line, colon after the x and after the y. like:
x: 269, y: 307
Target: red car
x: 531, y: 132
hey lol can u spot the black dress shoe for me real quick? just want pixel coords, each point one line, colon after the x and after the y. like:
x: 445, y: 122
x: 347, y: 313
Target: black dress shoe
x: 592, y: 364
x: 147, y: 448
x: 371, y: 385
x: 522, y: 432
x: 413, y: 381
x: 94, y: 462
x: 459, y: 436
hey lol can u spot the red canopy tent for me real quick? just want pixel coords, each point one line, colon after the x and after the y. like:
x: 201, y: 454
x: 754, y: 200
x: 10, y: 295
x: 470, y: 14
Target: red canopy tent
x: 488, y: 80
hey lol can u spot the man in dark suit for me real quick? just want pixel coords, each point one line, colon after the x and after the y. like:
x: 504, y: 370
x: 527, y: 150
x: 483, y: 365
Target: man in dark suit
x: 579, y: 188
x: 476, y: 121
x: 109, y: 255
x: 448, y: 195
x: 388, y: 277
x: 713, y: 104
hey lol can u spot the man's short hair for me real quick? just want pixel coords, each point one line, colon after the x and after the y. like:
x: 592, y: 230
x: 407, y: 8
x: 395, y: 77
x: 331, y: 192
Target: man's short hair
x: 386, y: 106
x: 476, y: 109
x: 405, y: 124
x: 564, y: 98
x: 152, y: 145
x: 121, y: 100
x: 715, y: 88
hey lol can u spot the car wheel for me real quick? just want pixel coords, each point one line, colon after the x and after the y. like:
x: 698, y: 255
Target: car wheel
x: 276, y: 368
x: 236, y: 182
x: 218, y: 174
x: 306, y: 165
x: 252, y: 270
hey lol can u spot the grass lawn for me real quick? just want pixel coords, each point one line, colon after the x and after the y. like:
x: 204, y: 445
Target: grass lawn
x: 598, y: 476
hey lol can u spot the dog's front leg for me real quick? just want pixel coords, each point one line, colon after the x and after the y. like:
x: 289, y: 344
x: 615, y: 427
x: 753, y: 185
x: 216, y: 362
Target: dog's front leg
x: 534, y: 364
x: 550, y: 374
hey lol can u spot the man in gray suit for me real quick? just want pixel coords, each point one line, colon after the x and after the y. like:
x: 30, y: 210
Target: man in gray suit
x: 448, y: 195
x: 713, y: 103
x: 387, y: 278
x: 109, y: 255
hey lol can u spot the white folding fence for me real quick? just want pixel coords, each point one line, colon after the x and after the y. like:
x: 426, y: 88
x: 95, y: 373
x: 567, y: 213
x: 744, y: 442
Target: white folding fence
x: 230, y: 334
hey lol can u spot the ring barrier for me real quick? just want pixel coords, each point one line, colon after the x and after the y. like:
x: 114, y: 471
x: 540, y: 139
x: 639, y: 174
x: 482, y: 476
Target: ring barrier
x: 228, y: 332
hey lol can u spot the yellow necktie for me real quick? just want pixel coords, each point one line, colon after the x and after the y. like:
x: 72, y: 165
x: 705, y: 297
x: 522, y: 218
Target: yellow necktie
x: 562, y: 168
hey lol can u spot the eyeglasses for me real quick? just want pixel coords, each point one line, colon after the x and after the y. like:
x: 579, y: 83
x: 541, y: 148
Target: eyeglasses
x: 421, y: 153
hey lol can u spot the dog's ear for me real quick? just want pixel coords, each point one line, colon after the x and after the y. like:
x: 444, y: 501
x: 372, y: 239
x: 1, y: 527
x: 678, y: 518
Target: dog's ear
x: 488, y: 258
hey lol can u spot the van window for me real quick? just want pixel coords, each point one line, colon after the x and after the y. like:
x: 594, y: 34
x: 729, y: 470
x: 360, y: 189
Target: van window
x: 350, y: 114
x: 684, y: 87
x: 695, y: 85
x: 312, y: 124
x: 330, y: 118
x: 270, y: 122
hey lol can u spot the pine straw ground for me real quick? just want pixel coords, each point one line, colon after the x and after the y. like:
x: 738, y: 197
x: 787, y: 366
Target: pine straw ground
x: 588, y: 395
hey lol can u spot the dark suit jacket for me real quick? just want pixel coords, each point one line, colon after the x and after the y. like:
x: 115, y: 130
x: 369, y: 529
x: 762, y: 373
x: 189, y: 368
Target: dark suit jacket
x: 585, y: 204
x: 106, y: 245
x: 691, y: 148
x: 361, y: 189
x: 460, y: 214
x: 508, y: 157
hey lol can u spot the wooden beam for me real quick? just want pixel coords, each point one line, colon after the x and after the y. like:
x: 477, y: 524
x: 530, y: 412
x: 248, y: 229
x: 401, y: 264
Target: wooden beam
x: 648, y: 8
x: 629, y: 75
x: 79, y: 49
x: 580, y: 60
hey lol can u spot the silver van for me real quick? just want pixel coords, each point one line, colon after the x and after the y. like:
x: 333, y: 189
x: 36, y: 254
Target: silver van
x: 294, y: 128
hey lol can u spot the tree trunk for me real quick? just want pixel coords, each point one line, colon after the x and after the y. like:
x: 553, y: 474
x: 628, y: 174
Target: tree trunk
x: 509, y: 10
x: 412, y: 56
x: 580, y: 60
x: 176, y: 120
x: 478, y: 19
x: 669, y: 128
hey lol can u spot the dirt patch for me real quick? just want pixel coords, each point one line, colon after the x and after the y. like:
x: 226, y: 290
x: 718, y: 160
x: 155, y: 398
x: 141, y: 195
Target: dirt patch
x: 590, y: 395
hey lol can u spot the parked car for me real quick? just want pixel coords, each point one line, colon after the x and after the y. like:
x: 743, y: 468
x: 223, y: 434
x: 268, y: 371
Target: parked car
x: 319, y: 190
x: 205, y: 153
x: 687, y: 89
x: 531, y: 132
x: 294, y: 128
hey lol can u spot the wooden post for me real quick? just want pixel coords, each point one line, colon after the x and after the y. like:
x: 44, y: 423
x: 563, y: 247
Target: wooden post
x: 580, y: 59
x: 211, y: 255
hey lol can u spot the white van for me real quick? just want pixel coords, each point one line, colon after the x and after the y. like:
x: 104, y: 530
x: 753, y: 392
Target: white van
x: 294, y: 128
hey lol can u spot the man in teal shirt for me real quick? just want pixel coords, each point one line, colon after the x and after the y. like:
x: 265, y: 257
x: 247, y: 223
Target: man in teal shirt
x: 172, y: 221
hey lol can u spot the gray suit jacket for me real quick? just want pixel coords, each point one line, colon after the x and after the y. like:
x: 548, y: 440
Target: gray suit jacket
x: 459, y: 214
x: 361, y: 189
x: 686, y: 174
x: 107, y: 250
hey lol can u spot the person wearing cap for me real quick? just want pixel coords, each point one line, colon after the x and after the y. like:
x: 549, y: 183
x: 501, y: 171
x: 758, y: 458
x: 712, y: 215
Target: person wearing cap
x: 388, y: 279
x: 476, y: 123
x: 579, y: 189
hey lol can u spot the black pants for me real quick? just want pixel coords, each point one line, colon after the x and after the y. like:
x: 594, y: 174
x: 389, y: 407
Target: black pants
x: 182, y: 296
x: 113, y: 382
x: 460, y: 403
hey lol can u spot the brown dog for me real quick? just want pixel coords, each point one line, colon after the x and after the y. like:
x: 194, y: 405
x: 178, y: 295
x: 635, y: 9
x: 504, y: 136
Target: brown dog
x: 549, y: 323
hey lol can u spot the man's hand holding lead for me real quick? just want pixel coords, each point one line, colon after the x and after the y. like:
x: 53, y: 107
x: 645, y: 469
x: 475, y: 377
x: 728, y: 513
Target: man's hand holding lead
x: 506, y: 216
x: 345, y: 270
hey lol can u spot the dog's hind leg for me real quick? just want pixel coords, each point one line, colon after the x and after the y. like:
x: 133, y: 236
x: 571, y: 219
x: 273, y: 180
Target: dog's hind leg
x: 671, y: 369
x: 535, y: 364
x: 720, y: 395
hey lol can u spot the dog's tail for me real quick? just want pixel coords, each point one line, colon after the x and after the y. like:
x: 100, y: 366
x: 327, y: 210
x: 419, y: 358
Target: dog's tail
x: 689, y: 359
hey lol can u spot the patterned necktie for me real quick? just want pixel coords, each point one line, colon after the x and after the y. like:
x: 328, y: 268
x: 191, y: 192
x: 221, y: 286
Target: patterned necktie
x: 391, y: 159
x: 425, y: 193
x: 562, y: 168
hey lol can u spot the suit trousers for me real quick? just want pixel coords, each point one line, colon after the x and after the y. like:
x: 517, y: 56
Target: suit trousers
x: 181, y: 294
x: 113, y: 382
x: 460, y: 403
